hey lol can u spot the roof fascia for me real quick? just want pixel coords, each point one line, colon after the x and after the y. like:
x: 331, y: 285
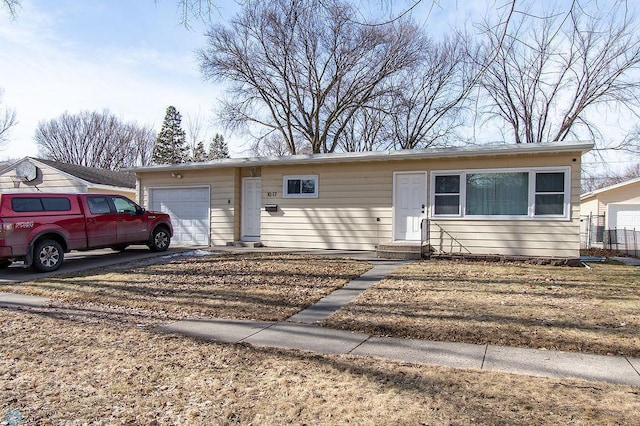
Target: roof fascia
x: 609, y: 188
x: 523, y: 149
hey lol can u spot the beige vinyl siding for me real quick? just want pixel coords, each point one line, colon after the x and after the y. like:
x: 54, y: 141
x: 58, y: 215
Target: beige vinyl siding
x: 529, y: 237
x: 131, y: 194
x: 351, y: 199
x: 346, y: 228
x: 628, y: 194
x: 222, y: 196
x: 352, y: 196
x: 591, y: 206
x: 48, y: 179
x: 522, y: 238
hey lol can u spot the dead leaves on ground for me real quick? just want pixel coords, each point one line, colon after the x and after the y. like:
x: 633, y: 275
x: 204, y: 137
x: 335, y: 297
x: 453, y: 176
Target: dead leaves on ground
x: 260, y: 287
x: 572, y: 309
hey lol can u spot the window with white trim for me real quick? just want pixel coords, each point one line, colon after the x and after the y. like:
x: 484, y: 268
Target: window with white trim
x: 300, y: 186
x: 447, y: 195
x: 550, y: 193
x: 501, y: 194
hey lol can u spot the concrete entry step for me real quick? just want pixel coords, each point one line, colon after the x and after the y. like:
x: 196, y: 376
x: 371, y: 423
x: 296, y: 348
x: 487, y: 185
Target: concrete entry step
x: 250, y: 244
x: 407, y: 251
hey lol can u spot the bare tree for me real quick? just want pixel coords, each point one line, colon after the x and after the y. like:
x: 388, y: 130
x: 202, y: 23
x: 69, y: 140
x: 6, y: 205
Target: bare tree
x: 11, y: 6
x: 368, y: 128
x: 196, y: 135
x: 549, y: 70
x: 630, y: 143
x: 7, y: 120
x: 429, y: 105
x: 273, y: 145
x: 95, y: 139
x: 593, y: 181
x: 303, y: 68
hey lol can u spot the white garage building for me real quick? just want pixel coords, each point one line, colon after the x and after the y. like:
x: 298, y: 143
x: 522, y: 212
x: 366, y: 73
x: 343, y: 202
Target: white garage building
x: 619, y: 204
x: 613, y: 208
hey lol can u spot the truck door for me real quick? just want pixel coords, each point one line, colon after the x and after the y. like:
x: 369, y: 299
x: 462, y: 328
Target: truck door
x: 131, y: 225
x: 101, y: 222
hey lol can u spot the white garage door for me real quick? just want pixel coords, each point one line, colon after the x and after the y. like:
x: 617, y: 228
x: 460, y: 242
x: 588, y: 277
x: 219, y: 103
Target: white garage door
x: 189, y: 211
x: 624, y: 216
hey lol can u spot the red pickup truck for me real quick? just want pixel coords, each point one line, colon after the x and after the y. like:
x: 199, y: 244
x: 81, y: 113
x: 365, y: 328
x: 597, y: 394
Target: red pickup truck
x: 39, y: 228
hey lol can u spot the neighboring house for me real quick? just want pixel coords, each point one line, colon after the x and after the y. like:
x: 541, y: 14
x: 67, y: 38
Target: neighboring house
x: 506, y: 200
x: 38, y: 175
x: 619, y: 204
x: 611, y: 217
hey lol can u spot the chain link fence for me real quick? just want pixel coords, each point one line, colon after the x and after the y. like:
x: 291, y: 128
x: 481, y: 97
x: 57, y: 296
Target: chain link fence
x: 594, y: 235
x: 592, y: 231
x: 622, y: 240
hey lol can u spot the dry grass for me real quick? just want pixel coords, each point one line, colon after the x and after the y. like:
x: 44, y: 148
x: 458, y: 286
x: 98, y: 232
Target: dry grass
x: 89, y: 359
x: 571, y: 309
x: 57, y: 370
x: 260, y: 287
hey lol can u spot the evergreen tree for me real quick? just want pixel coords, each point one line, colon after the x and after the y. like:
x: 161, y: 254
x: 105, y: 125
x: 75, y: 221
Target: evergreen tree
x: 218, y: 148
x: 171, y: 146
x: 199, y: 154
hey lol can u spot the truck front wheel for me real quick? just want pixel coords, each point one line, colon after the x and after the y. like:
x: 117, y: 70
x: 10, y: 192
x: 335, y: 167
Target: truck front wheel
x: 47, y: 256
x: 160, y: 239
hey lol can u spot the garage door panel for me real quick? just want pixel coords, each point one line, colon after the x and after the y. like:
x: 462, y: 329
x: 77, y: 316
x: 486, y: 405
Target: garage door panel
x: 189, y: 211
x: 623, y: 216
x: 628, y: 220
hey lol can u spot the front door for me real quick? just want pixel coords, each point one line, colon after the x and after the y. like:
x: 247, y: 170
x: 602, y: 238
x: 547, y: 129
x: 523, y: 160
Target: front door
x: 410, y: 200
x: 251, y: 208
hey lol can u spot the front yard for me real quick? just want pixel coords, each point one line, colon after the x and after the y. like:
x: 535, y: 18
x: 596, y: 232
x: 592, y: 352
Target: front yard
x: 571, y: 309
x: 91, y: 359
x: 257, y: 287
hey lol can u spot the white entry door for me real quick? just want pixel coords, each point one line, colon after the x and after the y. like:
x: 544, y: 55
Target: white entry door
x: 409, y: 204
x: 251, y: 208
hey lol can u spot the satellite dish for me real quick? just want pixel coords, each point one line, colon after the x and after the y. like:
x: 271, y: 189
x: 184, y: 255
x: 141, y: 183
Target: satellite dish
x: 26, y: 171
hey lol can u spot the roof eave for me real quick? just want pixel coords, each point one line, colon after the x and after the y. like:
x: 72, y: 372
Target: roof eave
x: 581, y: 147
x: 609, y: 188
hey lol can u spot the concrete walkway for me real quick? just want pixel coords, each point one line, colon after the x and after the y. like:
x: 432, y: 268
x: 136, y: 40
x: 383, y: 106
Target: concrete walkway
x: 302, y: 332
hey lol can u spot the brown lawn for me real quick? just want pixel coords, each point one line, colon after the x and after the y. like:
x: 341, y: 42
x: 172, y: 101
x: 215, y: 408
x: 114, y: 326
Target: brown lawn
x: 572, y: 309
x: 58, y: 370
x: 260, y: 287
x: 91, y: 359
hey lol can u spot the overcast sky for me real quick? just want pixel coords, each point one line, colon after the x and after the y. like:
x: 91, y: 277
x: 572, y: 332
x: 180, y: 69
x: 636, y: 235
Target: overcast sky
x: 133, y: 58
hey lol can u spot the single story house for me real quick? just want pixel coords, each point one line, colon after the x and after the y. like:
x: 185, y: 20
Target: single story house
x: 38, y: 175
x: 521, y: 200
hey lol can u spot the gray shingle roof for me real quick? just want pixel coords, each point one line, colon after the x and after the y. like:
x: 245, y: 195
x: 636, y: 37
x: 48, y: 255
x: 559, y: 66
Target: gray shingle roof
x: 94, y: 175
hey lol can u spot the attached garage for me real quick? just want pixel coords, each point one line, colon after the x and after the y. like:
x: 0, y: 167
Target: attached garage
x: 189, y: 211
x: 352, y: 201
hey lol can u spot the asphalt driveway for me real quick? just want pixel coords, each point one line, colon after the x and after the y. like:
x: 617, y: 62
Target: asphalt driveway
x: 77, y: 261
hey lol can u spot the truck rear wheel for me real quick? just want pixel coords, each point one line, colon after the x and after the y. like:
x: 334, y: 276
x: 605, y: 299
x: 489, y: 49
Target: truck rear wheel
x: 160, y: 239
x: 47, y: 256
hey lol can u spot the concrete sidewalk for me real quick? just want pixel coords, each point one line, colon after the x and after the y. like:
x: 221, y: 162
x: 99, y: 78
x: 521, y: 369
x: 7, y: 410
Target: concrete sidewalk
x: 309, y: 337
x: 302, y: 332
